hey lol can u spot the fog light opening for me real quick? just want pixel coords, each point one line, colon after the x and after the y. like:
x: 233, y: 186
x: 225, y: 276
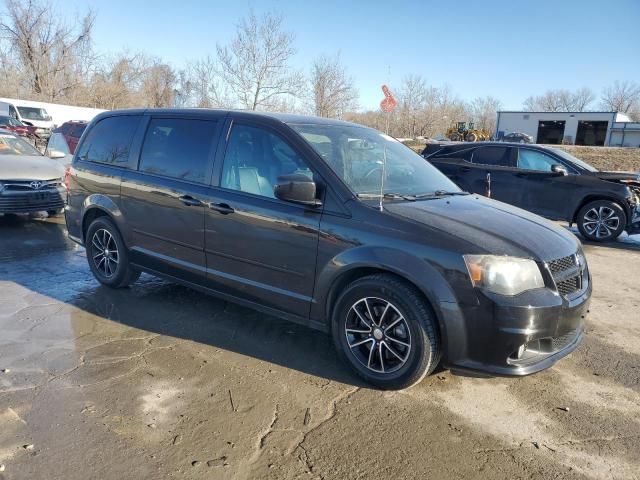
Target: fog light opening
x: 517, y: 355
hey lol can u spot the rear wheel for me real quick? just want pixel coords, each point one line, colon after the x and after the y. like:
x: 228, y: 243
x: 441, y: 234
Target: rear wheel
x: 601, y: 220
x: 384, y: 329
x: 107, y: 255
x: 471, y: 137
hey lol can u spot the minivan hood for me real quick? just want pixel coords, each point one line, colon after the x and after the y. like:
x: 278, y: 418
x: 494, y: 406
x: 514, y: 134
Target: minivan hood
x: 26, y: 167
x: 490, y: 226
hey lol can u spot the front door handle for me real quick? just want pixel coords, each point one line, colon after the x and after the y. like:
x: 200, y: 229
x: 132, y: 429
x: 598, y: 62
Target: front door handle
x: 520, y: 175
x: 189, y: 201
x: 465, y: 169
x: 223, y: 208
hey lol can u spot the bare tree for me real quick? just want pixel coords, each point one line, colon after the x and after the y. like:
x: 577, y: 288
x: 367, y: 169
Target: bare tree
x: 206, y: 85
x: 582, y: 99
x: 484, y: 112
x: 561, y: 100
x: 158, y: 85
x: 255, y: 64
x: 52, y: 55
x: 333, y: 91
x: 412, y: 99
x: 622, y: 97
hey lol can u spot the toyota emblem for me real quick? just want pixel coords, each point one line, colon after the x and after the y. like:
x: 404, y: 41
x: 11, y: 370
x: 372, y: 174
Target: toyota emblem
x: 36, y: 185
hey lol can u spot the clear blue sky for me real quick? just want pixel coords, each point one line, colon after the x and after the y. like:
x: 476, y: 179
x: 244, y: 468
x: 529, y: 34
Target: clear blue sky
x: 507, y: 49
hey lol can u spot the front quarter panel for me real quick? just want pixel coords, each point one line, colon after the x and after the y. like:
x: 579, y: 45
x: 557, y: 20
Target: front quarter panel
x: 426, y: 258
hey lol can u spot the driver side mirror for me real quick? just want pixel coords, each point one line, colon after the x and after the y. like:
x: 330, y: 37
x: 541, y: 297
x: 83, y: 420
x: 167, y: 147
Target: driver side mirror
x: 297, y: 188
x: 559, y: 169
x: 55, y: 154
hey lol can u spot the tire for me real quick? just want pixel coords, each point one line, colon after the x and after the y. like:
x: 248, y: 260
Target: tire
x: 471, y: 137
x: 601, y: 220
x: 111, y: 269
x: 413, y: 334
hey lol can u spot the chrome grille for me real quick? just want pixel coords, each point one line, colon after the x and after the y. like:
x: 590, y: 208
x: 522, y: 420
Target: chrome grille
x: 567, y: 274
x: 561, y: 264
x: 25, y: 185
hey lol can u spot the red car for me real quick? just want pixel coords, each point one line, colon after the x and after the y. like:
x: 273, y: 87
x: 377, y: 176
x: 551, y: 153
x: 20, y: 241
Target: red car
x: 72, y: 131
x: 17, y: 127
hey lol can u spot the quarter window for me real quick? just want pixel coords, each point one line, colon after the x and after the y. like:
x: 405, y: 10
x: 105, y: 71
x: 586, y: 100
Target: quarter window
x: 498, y: 156
x: 178, y: 148
x: 109, y: 140
x: 254, y: 160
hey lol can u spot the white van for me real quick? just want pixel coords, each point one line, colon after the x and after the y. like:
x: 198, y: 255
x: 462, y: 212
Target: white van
x: 29, y: 113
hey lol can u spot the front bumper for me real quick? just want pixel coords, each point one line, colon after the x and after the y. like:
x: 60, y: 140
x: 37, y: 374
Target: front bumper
x: 32, y: 201
x: 520, y: 335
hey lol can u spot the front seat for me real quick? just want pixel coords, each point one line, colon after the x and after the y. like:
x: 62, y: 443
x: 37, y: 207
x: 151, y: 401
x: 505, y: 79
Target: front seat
x: 249, y: 178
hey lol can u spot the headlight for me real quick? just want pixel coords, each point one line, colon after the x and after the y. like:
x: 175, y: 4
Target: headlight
x: 503, y: 275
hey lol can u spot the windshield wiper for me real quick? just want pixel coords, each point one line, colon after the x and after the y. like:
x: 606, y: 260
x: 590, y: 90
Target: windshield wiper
x: 391, y: 196
x: 439, y: 193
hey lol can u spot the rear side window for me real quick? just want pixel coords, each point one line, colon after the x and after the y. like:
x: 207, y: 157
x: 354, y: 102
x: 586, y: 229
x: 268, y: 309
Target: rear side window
x: 498, y: 156
x: 109, y: 140
x: 178, y: 148
x: 75, y: 131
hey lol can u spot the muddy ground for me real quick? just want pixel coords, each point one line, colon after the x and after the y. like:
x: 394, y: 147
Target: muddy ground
x: 159, y: 381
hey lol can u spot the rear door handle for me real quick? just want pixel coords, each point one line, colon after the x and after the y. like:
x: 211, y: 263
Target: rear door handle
x: 520, y: 175
x: 189, y: 201
x: 223, y: 208
x: 465, y: 169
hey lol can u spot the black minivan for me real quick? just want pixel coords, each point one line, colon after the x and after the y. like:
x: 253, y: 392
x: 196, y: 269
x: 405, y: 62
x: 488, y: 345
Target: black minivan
x: 332, y: 225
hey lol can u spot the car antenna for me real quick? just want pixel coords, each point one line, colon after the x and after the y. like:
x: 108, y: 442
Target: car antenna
x: 384, y: 169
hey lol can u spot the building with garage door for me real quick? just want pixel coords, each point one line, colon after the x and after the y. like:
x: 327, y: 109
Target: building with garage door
x: 576, y: 128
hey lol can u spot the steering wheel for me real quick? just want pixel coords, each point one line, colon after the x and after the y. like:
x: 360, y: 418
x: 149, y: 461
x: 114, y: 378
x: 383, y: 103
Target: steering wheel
x: 371, y: 172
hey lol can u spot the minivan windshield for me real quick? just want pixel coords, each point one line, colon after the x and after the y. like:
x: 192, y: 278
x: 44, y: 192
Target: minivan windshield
x: 357, y: 155
x: 33, y: 113
x: 574, y: 160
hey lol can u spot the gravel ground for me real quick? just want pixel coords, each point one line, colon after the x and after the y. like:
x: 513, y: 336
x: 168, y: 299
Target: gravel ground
x: 159, y: 381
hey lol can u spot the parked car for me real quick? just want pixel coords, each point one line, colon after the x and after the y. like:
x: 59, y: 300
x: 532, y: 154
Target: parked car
x: 29, y: 181
x: 72, y: 131
x: 283, y: 213
x: 17, y: 127
x: 518, y: 137
x: 547, y: 181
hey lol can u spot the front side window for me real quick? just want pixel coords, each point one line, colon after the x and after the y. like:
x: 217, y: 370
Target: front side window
x: 57, y: 143
x: 535, y: 160
x: 498, y: 156
x: 109, y: 140
x: 367, y: 160
x: 178, y: 148
x: 254, y: 160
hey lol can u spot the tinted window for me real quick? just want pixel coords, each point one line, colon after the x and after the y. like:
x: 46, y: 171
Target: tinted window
x: 491, y: 156
x: 254, y: 160
x: 109, y: 140
x: 178, y: 148
x: 75, y: 131
x: 535, y: 160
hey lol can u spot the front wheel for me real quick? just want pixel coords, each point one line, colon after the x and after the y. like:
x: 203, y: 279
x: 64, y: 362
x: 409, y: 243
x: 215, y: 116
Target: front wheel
x: 386, y: 331
x: 107, y: 255
x: 601, y: 221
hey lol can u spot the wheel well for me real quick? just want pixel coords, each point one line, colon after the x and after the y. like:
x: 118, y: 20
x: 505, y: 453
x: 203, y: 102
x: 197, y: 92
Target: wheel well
x: 352, y: 275
x: 89, y: 217
x: 593, y: 198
